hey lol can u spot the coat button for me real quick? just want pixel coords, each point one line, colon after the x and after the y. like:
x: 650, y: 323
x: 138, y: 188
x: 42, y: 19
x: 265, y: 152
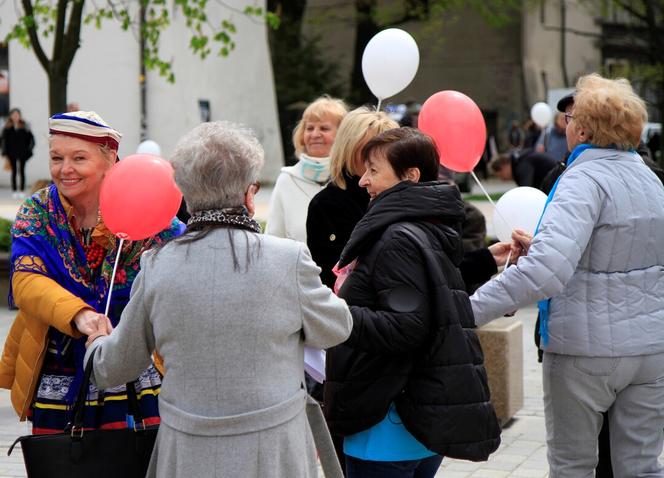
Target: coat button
x: 333, y: 237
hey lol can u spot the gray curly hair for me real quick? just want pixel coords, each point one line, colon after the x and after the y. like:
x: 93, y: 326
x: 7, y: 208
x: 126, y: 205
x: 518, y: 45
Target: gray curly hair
x: 215, y: 163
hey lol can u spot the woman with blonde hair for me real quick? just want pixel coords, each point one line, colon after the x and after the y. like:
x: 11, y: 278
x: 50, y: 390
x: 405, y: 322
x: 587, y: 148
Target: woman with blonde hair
x: 297, y: 184
x: 62, y: 260
x: 596, y: 266
x: 334, y: 211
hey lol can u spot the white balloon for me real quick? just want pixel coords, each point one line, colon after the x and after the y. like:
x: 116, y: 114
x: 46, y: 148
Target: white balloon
x: 541, y: 114
x: 389, y: 62
x: 149, y: 147
x: 522, y: 208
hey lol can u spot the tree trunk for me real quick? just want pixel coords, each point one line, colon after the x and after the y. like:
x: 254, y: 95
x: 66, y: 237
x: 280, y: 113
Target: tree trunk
x: 57, y: 91
x: 366, y: 28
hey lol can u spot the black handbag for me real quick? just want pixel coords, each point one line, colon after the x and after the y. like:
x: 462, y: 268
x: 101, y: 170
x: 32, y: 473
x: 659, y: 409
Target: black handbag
x: 83, y: 453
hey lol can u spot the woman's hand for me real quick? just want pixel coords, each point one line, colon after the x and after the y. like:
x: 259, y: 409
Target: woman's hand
x: 87, y: 321
x: 104, y: 328
x: 500, y: 251
x: 521, y: 241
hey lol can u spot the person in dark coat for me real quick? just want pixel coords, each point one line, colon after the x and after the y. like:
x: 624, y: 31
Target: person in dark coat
x: 17, y: 145
x: 391, y: 390
x: 334, y: 211
x: 526, y: 167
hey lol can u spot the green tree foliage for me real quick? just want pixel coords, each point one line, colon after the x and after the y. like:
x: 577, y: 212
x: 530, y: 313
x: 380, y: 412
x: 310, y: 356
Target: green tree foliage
x: 301, y: 73
x: 62, y: 21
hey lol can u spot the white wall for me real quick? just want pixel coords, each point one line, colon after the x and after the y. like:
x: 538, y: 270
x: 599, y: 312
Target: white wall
x: 239, y: 87
x: 105, y: 73
x: 541, y: 46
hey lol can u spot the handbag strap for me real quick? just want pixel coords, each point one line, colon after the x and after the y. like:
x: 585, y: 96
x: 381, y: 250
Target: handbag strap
x: 322, y: 439
x: 79, y: 405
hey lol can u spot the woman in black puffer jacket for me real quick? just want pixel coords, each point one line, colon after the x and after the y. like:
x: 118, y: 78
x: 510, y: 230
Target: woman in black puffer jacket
x: 408, y: 386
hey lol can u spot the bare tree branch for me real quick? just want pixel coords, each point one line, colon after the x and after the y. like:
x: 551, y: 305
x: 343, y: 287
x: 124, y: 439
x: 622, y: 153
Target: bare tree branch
x: 59, y: 29
x: 73, y: 35
x: 34, y: 38
x: 632, y: 11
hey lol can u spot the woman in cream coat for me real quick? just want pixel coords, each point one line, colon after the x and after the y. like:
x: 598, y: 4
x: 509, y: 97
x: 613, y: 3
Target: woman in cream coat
x: 230, y: 311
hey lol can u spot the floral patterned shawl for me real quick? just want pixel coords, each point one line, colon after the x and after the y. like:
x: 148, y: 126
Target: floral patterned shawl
x: 42, y: 230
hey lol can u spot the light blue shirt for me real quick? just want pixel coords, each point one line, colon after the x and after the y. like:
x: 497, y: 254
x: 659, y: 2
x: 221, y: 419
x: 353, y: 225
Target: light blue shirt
x: 386, y: 441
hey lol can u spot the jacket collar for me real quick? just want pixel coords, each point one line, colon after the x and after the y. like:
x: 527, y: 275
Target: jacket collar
x: 435, y: 203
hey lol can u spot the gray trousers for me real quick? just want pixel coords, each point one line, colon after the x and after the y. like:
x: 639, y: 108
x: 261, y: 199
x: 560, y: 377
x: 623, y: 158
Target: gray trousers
x: 576, y: 392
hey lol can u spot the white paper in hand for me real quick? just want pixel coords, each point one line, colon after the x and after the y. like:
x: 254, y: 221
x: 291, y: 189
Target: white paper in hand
x: 314, y: 363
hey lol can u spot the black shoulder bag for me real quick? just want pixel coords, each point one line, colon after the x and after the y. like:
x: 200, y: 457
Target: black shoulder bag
x: 79, y: 453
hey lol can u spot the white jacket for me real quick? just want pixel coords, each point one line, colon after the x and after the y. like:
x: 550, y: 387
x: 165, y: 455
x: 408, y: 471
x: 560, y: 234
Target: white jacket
x: 287, y: 215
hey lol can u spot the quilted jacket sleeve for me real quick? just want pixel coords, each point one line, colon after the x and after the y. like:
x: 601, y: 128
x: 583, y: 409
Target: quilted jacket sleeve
x: 400, y: 322
x: 565, y: 230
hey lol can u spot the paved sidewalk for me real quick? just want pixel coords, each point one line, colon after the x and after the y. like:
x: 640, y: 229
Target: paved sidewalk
x: 522, y: 453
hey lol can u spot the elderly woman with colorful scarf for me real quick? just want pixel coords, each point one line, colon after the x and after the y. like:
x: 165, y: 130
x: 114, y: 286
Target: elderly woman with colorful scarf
x: 61, y: 264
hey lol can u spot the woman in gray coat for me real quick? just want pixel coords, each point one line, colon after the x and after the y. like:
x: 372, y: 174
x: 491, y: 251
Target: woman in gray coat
x: 596, y: 265
x: 230, y: 312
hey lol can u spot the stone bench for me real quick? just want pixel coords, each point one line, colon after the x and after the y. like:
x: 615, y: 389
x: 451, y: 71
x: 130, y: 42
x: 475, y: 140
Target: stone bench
x: 502, y: 344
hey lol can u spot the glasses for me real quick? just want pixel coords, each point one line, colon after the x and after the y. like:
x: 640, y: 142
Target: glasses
x: 568, y: 117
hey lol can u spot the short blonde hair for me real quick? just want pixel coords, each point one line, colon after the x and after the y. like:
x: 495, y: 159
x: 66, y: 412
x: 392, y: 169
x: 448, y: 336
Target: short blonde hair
x: 610, y: 111
x: 353, y: 129
x: 323, y: 107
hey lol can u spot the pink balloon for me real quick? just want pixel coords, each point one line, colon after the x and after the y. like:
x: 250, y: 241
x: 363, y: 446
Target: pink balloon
x: 138, y: 197
x: 457, y: 126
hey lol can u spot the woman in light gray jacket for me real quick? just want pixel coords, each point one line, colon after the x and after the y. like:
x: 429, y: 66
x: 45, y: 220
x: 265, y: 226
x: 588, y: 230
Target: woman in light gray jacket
x: 596, y: 265
x: 230, y: 312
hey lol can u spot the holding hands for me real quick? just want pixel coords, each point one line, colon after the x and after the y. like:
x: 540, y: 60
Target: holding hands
x: 92, y: 324
x: 520, y: 242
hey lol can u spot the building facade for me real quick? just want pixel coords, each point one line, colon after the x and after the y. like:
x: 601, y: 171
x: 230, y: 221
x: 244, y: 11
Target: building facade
x: 106, y: 77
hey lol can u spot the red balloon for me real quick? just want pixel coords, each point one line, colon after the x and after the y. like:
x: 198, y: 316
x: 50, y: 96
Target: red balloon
x: 457, y: 126
x: 138, y: 197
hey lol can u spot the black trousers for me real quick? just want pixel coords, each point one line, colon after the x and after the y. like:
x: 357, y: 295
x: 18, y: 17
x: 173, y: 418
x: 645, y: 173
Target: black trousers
x: 18, y: 166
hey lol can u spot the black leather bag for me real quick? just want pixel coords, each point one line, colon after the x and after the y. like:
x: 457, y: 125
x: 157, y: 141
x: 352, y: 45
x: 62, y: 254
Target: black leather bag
x: 90, y: 453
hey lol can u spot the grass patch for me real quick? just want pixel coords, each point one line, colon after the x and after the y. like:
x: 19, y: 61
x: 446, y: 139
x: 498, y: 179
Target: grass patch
x: 482, y: 197
x: 5, y: 235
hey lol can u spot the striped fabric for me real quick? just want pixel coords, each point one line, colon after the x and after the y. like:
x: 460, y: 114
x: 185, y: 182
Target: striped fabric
x: 105, y: 409
x: 86, y: 125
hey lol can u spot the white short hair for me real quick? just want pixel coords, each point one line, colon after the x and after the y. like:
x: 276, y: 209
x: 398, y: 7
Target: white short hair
x: 215, y: 163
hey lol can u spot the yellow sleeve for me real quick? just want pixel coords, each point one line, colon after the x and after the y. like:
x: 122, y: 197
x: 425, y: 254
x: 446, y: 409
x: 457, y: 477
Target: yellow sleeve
x: 43, y: 299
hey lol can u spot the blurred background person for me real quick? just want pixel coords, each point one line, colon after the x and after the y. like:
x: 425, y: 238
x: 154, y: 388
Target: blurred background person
x: 388, y: 390
x: 531, y: 133
x: 411, y: 115
x: 552, y: 141
x: 62, y: 258
x: 17, y: 145
x: 232, y: 401
x: 515, y: 135
x: 525, y: 167
x: 597, y: 268
x: 473, y: 226
x: 296, y: 185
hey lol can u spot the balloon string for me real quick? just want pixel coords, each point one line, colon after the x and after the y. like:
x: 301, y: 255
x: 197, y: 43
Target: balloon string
x: 115, y: 268
x: 380, y: 101
x: 477, y: 180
